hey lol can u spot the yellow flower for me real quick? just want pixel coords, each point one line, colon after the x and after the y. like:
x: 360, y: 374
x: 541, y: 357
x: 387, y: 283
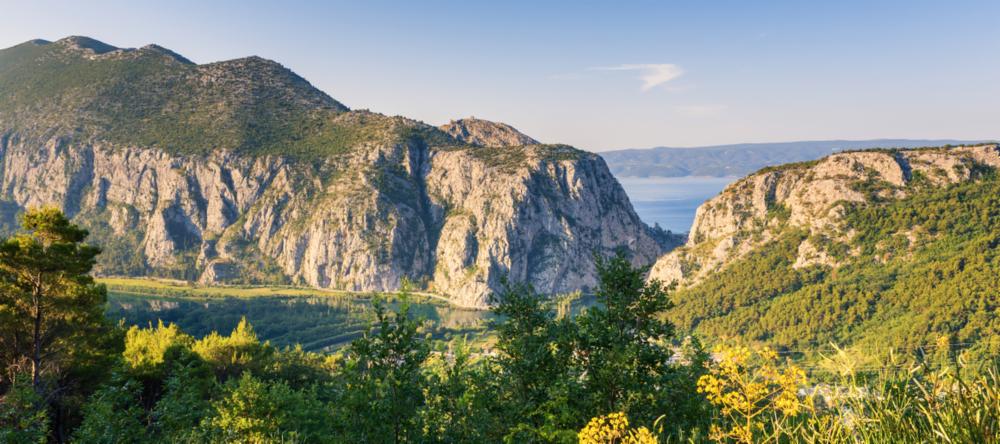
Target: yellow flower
x: 748, y: 386
x: 613, y: 429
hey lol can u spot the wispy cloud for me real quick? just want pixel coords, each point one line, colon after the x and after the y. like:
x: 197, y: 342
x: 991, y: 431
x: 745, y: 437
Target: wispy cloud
x: 651, y: 75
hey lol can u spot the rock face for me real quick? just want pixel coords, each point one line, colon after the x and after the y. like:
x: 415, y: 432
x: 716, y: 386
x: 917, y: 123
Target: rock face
x: 479, y: 132
x: 290, y: 185
x: 810, y: 196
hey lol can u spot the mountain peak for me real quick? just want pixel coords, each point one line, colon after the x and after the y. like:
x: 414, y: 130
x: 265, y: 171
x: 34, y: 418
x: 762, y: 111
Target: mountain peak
x: 155, y: 97
x: 153, y: 48
x: 486, y: 133
x: 86, y: 44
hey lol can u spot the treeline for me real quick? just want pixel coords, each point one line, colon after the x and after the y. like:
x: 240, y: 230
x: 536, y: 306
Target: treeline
x: 613, y: 373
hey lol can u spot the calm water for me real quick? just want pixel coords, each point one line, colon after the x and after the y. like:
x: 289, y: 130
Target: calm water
x: 671, y: 201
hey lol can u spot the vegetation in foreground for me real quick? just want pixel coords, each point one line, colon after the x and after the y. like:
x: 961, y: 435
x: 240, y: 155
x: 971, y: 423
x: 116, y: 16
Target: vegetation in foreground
x: 610, y: 374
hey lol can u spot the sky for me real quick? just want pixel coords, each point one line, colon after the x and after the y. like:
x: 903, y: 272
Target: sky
x: 598, y: 75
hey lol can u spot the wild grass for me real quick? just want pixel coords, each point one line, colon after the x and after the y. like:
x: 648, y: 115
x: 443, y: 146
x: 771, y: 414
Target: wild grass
x: 749, y: 390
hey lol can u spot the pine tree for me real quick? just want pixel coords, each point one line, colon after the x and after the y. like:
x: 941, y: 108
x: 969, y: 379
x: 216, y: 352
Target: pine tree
x: 53, y: 307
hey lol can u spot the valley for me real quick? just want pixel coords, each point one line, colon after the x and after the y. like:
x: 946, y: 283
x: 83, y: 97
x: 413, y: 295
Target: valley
x: 222, y: 252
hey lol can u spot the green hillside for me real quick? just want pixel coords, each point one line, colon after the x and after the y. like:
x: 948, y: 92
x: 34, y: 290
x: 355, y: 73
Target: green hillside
x: 932, y: 292
x: 85, y: 90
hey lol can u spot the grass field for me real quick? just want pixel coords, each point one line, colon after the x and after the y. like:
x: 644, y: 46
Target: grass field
x: 318, y: 320
x: 175, y: 288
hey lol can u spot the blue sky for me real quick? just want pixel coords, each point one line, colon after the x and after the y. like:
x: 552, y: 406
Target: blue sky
x: 599, y: 75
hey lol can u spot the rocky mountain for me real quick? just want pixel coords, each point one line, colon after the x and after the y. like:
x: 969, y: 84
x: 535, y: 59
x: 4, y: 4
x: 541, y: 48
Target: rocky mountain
x: 739, y: 159
x: 480, y: 132
x: 857, y: 246
x: 242, y: 172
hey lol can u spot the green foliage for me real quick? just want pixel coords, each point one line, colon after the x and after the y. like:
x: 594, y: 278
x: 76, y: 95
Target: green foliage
x: 456, y: 399
x: 188, y: 388
x: 24, y: 415
x: 384, y: 369
x: 316, y: 321
x: 551, y: 371
x: 153, y: 98
x: 951, y: 407
x: 145, y: 349
x: 623, y: 346
x: 256, y: 411
x: 759, y: 398
x: 52, y: 325
x: 917, y: 270
x: 532, y: 369
x: 113, y: 414
x: 511, y: 158
x: 622, y: 338
x: 231, y: 356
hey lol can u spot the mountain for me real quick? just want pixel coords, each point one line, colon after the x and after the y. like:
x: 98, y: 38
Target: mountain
x: 740, y: 159
x: 872, y: 248
x: 480, y: 132
x: 242, y: 172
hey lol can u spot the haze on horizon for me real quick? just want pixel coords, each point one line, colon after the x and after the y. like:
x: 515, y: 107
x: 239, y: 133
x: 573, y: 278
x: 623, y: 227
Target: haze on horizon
x: 622, y: 75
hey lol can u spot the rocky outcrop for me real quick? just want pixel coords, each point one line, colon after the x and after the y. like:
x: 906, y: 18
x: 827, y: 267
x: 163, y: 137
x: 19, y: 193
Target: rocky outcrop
x: 241, y: 172
x: 485, y: 133
x: 811, y: 197
x: 454, y: 220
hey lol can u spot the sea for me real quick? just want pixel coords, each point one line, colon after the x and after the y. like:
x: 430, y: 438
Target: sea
x: 671, y: 201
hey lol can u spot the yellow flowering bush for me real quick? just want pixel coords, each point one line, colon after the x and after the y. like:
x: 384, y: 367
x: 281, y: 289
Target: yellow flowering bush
x: 614, y: 429
x: 752, y: 389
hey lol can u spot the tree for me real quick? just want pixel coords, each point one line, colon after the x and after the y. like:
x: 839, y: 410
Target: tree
x: 23, y: 416
x: 256, y: 411
x: 623, y: 343
x: 114, y: 414
x: 52, y: 307
x: 384, y: 378
x: 456, y: 399
x: 231, y: 356
x: 535, y: 382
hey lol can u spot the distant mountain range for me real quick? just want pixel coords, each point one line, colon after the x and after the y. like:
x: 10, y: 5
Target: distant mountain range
x: 741, y: 159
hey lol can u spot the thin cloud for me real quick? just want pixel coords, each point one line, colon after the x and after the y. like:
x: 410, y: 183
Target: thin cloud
x: 651, y: 75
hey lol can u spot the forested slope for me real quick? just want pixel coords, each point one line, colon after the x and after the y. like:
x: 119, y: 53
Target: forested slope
x: 881, y: 264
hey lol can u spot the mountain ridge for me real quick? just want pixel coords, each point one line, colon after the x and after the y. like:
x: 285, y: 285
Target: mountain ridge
x: 850, y: 249
x: 241, y: 172
x: 736, y: 160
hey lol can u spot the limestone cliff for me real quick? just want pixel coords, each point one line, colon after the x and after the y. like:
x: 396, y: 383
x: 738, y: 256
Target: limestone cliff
x: 812, y: 197
x: 480, y: 132
x: 240, y: 171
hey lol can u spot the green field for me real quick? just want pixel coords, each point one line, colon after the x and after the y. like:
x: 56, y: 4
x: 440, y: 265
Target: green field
x: 171, y: 287
x: 319, y: 320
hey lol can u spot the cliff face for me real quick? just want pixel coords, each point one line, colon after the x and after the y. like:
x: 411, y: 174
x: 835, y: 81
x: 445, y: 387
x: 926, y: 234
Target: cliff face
x: 261, y: 178
x: 811, y: 197
x: 451, y: 218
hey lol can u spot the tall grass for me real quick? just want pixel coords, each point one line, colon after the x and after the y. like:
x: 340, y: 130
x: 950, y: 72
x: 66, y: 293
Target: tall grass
x: 920, y: 406
x: 899, y: 404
